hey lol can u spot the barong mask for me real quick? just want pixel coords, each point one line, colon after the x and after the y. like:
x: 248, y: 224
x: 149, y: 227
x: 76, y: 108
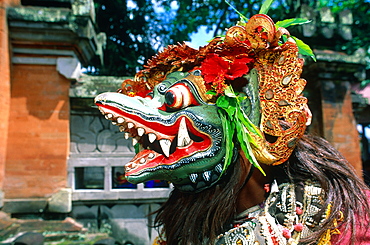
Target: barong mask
x: 191, y: 111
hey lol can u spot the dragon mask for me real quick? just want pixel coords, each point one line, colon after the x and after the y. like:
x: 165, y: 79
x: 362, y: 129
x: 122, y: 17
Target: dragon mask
x: 191, y: 111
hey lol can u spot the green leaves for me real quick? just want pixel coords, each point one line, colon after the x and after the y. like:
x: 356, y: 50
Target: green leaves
x: 234, y: 121
x: 291, y: 22
x: 304, y: 49
x: 229, y: 129
x: 245, y: 140
x: 228, y: 104
x: 242, y: 17
x: 266, y: 6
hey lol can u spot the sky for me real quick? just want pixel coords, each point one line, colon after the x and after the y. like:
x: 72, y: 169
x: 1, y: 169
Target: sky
x: 200, y: 38
x: 367, y: 130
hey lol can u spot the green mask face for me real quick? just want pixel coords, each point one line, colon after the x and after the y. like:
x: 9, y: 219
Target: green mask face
x: 180, y: 136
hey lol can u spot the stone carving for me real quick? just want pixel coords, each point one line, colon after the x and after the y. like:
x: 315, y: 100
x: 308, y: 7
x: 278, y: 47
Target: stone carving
x: 93, y: 134
x: 327, y: 22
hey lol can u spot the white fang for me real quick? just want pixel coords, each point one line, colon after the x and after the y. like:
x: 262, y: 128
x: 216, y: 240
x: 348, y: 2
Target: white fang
x: 183, y: 138
x: 165, y: 144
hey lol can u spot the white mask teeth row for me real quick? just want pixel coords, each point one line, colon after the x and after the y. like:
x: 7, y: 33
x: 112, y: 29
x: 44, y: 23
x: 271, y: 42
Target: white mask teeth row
x: 133, y: 165
x: 129, y: 129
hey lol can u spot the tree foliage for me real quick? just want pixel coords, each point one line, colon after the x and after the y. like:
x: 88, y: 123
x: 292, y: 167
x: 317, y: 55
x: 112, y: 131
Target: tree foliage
x: 137, y: 29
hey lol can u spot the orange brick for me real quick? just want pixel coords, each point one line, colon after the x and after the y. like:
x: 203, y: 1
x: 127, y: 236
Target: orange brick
x: 340, y: 129
x: 38, y: 139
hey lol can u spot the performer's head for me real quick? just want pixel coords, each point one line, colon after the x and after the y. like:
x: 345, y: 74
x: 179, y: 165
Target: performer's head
x: 193, y: 112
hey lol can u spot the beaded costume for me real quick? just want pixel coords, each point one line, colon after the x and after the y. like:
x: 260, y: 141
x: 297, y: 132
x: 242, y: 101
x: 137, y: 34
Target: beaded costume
x: 291, y: 212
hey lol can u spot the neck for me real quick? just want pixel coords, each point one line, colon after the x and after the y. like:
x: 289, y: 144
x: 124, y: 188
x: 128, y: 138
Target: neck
x: 253, y: 191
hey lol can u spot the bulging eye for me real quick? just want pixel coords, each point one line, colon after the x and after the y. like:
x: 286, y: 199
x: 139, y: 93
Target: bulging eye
x: 179, y: 97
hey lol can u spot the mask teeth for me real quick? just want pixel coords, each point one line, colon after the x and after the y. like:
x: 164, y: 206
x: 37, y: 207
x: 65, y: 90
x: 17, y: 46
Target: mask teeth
x: 120, y: 120
x: 133, y: 165
x: 183, y: 138
x: 193, y: 178
x: 165, y: 145
x: 109, y: 116
x: 130, y: 130
x: 207, y: 175
x: 140, y: 131
x: 152, y: 137
x: 200, y: 181
x: 218, y: 168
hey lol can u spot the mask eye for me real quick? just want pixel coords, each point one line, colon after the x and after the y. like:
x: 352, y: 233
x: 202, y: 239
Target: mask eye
x: 179, y: 97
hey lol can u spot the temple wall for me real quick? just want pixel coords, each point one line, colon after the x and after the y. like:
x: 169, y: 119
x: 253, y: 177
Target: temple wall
x: 43, y: 50
x: 4, y: 87
x: 329, y: 92
x: 340, y: 126
x: 38, y: 139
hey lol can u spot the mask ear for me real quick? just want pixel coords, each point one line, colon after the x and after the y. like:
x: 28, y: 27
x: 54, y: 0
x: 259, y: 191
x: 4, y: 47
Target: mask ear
x: 285, y: 113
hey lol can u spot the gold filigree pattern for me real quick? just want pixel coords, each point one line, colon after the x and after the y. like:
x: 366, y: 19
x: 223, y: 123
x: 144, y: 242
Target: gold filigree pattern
x: 283, y: 107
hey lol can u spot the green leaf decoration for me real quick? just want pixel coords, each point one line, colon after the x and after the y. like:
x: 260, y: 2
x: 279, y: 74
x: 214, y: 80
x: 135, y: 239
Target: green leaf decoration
x: 229, y: 129
x: 241, y: 22
x: 245, y: 19
x: 247, y: 123
x: 246, y: 148
x: 291, y: 22
x: 229, y: 92
x: 304, y: 49
x: 211, y: 92
x: 234, y: 120
x: 266, y: 6
x: 222, y: 102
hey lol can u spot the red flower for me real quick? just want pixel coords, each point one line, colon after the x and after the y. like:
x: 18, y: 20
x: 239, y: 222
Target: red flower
x: 216, y: 70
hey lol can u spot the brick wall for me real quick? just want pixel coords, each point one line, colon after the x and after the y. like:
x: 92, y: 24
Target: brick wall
x: 4, y: 89
x: 4, y: 86
x: 339, y: 124
x: 38, y: 139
